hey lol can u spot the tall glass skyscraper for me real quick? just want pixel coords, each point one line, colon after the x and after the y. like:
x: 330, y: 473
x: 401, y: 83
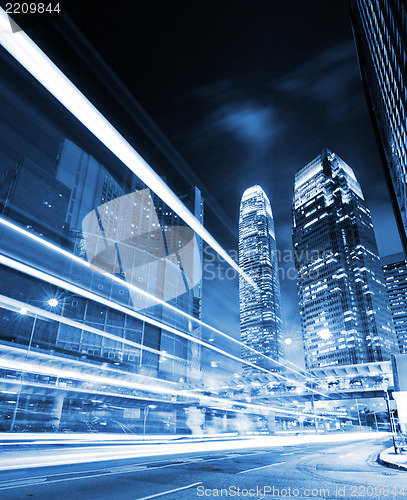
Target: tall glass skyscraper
x: 345, y: 313
x: 260, y: 316
x: 380, y: 30
x: 395, y: 276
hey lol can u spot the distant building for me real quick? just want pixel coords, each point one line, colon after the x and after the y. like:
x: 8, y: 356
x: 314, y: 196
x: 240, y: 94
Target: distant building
x: 344, y: 309
x: 259, y: 295
x: 395, y: 275
x: 380, y: 30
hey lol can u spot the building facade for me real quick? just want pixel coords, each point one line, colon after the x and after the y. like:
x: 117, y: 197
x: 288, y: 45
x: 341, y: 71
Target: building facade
x: 81, y: 189
x: 380, y: 31
x: 345, y: 313
x: 259, y: 290
x: 395, y: 276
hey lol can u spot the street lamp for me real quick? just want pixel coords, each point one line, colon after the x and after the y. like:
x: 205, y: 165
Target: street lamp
x: 53, y: 302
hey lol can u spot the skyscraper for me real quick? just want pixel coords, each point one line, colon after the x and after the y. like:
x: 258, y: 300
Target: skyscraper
x: 260, y: 316
x: 344, y: 309
x: 380, y: 30
x: 395, y: 275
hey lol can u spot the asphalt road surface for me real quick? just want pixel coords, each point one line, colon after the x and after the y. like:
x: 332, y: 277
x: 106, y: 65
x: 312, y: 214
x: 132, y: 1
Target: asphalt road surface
x: 332, y: 470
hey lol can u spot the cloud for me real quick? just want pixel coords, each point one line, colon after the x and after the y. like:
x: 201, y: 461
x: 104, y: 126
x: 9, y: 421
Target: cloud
x: 248, y: 122
x: 330, y: 79
x: 230, y: 114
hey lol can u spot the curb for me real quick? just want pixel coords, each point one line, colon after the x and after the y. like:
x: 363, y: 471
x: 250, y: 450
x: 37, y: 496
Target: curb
x: 390, y: 465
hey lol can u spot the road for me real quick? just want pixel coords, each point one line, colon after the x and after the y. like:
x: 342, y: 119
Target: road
x: 329, y: 470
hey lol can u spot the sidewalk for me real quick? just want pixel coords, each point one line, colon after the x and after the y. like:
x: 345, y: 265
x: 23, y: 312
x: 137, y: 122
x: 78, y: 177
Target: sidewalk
x: 390, y: 459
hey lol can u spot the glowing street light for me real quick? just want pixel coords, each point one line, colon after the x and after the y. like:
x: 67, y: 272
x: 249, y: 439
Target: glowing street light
x: 53, y: 302
x: 23, y: 311
x: 324, y: 334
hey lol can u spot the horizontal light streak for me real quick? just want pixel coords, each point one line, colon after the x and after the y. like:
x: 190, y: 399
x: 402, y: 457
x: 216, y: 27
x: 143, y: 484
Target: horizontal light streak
x: 88, y: 266
x: 130, y: 286
x: 34, y: 60
x: 49, y: 370
x: 93, y: 392
x: 77, y: 455
x: 7, y: 303
x: 35, y: 273
x: 18, y: 351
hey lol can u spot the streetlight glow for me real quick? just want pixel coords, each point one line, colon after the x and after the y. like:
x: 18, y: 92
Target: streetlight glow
x: 324, y: 334
x: 53, y: 302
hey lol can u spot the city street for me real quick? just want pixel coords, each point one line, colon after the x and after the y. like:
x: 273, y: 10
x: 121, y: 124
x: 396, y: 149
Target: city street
x: 329, y: 470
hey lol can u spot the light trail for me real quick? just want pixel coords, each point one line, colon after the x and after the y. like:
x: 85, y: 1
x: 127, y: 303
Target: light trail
x: 130, y: 286
x: 24, y: 268
x: 77, y: 456
x: 38, y: 64
x: 98, y: 298
x: 16, y: 305
x: 210, y: 401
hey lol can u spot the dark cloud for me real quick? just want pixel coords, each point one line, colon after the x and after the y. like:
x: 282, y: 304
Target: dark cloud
x: 329, y: 81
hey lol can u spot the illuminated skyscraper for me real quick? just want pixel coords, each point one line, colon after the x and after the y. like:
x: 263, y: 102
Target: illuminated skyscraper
x: 260, y: 317
x: 395, y: 275
x: 380, y: 29
x: 345, y: 313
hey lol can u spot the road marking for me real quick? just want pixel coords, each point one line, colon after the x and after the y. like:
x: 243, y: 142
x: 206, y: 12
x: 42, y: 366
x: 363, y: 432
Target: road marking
x: 20, y: 482
x: 169, y: 491
x: 258, y: 468
x: 102, y: 472
x: 291, y: 453
x: 109, y: 471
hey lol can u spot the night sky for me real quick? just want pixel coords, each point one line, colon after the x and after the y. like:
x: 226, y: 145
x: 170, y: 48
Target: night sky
x: 248, y: 93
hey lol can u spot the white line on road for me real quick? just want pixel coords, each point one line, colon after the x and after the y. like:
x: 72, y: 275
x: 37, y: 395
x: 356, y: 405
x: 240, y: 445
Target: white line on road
x: 5, y: 485
x: 258, y: 468
x: 169, y: 491
x: 105, y: 472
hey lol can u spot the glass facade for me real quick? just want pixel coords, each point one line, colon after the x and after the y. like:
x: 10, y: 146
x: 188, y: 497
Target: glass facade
x: 345, y: 314
x: 380, y: 30
x: 395, y: 275
x: 60, y: 211
x: 259, y: 289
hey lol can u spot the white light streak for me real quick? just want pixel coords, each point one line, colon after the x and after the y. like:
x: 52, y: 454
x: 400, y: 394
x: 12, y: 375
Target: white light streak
x: 33, y: 59
x: 24, y: 268
x: 130, y: 286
